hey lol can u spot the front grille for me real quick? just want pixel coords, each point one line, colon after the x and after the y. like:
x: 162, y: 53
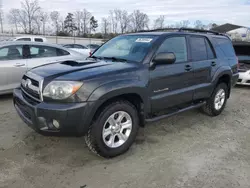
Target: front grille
x: 242, y: 70
x: 239, y: 80
x: 248, y: 81
x: 30, y: 89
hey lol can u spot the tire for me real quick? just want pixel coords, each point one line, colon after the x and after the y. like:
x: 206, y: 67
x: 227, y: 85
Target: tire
x: 101, y: 145
x: 210, y: 108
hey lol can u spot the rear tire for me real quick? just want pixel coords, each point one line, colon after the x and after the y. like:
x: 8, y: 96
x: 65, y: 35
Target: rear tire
x: 217, y: 102
x: 114, y: 130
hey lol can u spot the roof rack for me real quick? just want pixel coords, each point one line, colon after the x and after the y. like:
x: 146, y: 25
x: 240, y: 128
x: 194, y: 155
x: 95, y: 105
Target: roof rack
x: 199, y: 31
x: 163, y: 29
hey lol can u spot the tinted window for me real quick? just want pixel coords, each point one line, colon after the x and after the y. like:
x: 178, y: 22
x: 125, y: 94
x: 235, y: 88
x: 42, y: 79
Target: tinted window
x: 11, y: 52
x: 79, y: 46
x: 68, y: 46
x: 242, y: 50
x: 24, y: 39
x: 177, y: 45
x: 61, y: 52
x: 42, y: 51
x: 38, y: 40
x: 210, y: 52
x: 226, y: 46
x: 198, y: 48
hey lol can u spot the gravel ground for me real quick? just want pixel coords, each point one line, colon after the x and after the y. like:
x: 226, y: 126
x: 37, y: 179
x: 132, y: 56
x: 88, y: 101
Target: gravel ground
x: 189, y: 150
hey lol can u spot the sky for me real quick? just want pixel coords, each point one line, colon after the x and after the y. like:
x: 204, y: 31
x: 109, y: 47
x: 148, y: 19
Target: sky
x: 208, y: 11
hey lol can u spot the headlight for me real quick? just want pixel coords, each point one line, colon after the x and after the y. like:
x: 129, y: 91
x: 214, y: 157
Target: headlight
x: 61, y: 89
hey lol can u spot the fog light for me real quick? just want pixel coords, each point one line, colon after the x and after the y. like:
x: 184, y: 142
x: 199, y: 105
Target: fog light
x: 56, y: 123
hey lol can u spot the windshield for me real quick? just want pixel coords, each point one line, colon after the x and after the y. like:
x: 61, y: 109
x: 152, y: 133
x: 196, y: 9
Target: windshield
x: 128, y: 47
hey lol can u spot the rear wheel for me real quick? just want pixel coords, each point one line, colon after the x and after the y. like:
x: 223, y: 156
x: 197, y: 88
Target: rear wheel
x: 217, y: 102
x: 114, y: 130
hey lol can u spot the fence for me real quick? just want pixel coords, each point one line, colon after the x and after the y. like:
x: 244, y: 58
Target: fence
x: 59, y: 39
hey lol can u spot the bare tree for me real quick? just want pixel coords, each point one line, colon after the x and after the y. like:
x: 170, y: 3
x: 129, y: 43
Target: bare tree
x: 13, y: 18
x: 55, y: 16
x: 183, y: 23
x: 198, y: 24
x: 30, y: 9
x: 113, y: 21
x: 86, y: 16
x: 122, y: 19
x: 105, y: 26
x: 139, y: 21
x: 1, y: 15
x: 78, y: 19
x: 159, y: 22
x: 44, y: 17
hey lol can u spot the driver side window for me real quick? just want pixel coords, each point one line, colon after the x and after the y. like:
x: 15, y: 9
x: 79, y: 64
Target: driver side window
x: 176, y: 45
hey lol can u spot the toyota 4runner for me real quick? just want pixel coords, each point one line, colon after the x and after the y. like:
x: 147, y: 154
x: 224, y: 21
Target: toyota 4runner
x: 130, y: 80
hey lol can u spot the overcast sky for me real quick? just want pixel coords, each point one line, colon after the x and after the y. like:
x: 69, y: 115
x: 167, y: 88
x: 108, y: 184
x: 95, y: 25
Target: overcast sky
x: 219, y: 11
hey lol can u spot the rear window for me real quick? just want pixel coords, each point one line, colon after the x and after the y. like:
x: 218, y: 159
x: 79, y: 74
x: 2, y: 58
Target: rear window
x: 38, y: 40
x: 242, y: 50
x: 226, y: 46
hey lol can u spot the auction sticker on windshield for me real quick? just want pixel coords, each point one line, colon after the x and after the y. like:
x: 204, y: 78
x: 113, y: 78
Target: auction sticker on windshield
x: 146, y: 40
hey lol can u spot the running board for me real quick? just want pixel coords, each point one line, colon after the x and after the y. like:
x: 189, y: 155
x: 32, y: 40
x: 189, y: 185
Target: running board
x: 174, y: 113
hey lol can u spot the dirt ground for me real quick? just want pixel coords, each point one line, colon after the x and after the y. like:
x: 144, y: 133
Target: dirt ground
x: 189, y: 150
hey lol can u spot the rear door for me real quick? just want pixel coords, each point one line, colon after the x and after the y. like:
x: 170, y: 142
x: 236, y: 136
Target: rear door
x: 171, y: 85
x: 42, y: 54
x: 204, y: 60
x: 12, y: 66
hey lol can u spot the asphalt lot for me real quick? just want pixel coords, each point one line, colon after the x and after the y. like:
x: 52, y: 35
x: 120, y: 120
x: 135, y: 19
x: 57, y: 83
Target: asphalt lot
x: 189, y: 150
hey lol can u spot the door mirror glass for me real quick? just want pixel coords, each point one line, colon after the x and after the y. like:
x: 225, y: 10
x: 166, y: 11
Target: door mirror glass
x: 164, y: 58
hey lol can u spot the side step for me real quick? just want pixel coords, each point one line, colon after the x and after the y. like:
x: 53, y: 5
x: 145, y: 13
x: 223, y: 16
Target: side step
x: 174, y: 113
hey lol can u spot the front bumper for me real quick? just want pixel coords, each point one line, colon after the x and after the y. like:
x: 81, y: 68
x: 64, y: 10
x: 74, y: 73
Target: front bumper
x: 234, y: 79
x: 244, y: 78
x: 73, y: 118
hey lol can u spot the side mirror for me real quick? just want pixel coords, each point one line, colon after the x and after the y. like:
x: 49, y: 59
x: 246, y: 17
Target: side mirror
x: 164, y: 58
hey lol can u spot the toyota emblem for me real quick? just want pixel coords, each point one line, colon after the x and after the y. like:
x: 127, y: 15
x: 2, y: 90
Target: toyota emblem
x: 27, y: 83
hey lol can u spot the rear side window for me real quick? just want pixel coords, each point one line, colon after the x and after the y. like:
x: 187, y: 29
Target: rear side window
x: 210, y: 52
x: 38, y: 40
x: 177, y: 45
x: 226, y: 46
x: 61, y: 52
x: 45, y: 51
x: 24, y: 39
x: 198, y: 48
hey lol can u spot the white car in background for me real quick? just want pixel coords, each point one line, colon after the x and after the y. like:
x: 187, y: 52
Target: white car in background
x: 29, y: 38
x: 242, y: 50
x: 18, y: 57
x: 78, y: 48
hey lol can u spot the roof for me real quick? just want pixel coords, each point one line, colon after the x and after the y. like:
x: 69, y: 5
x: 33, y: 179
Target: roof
x: 26, y: 43
x: 226, y: 27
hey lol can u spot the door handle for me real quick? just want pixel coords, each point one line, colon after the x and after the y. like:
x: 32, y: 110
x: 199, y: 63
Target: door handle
x: 213, y: 64
x: 19, y: 65
x: 188, y: 68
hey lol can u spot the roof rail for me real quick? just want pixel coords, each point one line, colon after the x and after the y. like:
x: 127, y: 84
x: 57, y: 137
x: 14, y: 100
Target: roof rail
x: 162, y: 29
x: 199, y: 31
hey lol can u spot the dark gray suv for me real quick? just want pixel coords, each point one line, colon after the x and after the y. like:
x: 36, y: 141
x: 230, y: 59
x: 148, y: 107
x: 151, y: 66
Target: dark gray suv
x: 130, y: 80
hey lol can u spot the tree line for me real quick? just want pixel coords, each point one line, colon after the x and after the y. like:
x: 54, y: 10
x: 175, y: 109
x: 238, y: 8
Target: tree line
x: 31, y: 19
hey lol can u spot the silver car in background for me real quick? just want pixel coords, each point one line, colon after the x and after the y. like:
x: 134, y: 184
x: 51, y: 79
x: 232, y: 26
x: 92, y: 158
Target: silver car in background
x: 18, y: 57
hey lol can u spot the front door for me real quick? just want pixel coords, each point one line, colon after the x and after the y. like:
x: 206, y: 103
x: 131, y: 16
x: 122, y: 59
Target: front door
x: 12, y: 67
x: 171, y: 85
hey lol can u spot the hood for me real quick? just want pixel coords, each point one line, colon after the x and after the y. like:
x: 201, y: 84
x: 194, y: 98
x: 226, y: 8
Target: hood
x: 70, y: 70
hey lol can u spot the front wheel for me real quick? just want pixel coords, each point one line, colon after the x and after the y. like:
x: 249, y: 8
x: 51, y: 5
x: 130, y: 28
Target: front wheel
x: 114, y: 130
x: 217, y: 102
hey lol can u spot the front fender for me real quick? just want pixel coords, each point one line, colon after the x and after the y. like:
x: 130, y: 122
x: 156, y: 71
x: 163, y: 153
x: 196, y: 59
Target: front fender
x: 119, y: 87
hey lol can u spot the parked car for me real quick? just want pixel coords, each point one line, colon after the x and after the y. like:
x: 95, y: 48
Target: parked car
x: 130, y: 80
x: 93, y: 46
x: 242, y: 50
x: 29, y: 38
x: 79, y: 48
x: 18, y: 57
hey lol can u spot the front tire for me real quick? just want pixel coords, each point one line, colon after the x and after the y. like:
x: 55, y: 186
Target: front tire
x: 217, y: 102
x: 114, y: 130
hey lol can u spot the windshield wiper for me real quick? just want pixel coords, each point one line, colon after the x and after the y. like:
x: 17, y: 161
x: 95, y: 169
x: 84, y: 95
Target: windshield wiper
x: 116, y: 59
x: 95, y: 57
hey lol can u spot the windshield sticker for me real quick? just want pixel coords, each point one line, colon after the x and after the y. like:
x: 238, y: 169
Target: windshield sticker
x: 146, y: 40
